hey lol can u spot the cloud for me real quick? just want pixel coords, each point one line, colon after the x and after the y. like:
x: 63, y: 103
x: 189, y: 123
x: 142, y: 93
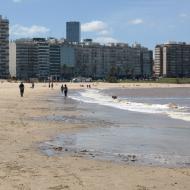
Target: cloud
x: 105, y: 40
x: 17, y: 1
x: 101, y: 32
x: 94, y: 26
x: 104, y: 32
x: 136, y: 21
x: 23, y: 31
x: 183, y: 15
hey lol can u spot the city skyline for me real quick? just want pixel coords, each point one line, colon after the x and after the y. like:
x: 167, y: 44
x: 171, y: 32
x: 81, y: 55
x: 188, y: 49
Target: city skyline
x: 143, y: 21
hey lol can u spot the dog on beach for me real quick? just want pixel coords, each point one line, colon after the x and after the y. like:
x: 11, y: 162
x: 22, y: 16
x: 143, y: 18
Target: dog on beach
x: 114, y: 97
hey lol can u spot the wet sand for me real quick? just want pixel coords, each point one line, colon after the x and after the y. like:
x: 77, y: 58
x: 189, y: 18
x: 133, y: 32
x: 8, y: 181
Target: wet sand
x: 24, y: 167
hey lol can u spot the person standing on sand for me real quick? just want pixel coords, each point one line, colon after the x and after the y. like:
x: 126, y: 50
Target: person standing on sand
x: 65, y: 90
x: 21, y: 87
x: 62, y: 88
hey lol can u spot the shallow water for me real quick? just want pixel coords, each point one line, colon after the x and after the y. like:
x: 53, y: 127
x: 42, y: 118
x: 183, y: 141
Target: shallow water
x: 132, y: 145
x: 157, y: 101
x: 137, y: 128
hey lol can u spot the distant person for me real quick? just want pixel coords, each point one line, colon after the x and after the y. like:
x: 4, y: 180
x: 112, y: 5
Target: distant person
x: 32, y: 84
x: 49, y: 85
x: 62, y: 88
x: 65, y: 90
x: 52, y: 85
x: 21, y: 87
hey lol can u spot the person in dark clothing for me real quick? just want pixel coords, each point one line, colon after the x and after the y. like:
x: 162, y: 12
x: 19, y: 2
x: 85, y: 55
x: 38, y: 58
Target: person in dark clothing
x: 65, y: 90
x: 62, y: 88
x: 21, y: 87
x: 32, y: 84
x: 52, y: 85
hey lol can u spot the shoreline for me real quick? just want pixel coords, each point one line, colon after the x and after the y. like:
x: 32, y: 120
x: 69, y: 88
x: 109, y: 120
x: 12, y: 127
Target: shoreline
x: 24, y: 167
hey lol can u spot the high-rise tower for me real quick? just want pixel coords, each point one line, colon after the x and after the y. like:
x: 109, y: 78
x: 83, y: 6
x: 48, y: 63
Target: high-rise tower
x: 73, y: 31
x: 4, y: 47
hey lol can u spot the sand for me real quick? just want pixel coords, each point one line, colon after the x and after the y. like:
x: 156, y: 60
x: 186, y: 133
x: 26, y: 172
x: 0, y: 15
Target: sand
x: 24, y: 167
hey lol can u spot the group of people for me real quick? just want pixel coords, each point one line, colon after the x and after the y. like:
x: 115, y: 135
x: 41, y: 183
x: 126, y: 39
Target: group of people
x: 51, y: 85
x: 64, y: 89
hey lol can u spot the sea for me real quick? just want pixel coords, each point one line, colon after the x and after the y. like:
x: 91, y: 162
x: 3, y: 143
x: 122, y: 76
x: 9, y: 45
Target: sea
x: 147, y: 126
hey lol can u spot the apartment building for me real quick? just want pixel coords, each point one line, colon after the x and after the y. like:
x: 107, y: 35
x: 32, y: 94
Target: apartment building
x: 12, y: 58
x: 26, y: 59
x: 158, y: 61
x: 4, y: 47
x: 54, y: 61
x: 41, y: 58
x: 95, y: 60
x: 172, y: 60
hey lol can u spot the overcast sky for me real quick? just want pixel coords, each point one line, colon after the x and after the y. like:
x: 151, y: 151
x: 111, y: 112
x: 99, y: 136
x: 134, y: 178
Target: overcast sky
x: 148, y: 22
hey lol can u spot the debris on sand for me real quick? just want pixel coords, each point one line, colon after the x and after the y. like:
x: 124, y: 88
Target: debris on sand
x: 59, y: 148
x: 84, y: 151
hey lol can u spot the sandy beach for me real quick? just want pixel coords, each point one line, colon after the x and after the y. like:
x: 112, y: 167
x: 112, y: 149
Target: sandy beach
x: 24, y: 167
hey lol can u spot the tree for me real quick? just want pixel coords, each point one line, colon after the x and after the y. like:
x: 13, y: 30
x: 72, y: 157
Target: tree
x: 112, y: 75
x: 67, y: 72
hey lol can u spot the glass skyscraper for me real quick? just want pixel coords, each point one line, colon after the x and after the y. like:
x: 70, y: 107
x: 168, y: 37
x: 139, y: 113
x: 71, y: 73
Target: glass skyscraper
x: 73, y: 31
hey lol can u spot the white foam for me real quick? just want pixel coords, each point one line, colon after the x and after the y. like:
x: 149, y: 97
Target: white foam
x: 94, y: 96
x: 180, y: 115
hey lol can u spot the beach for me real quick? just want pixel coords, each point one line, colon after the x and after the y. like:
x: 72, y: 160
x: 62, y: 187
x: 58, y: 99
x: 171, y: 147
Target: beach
x: 28, y: 122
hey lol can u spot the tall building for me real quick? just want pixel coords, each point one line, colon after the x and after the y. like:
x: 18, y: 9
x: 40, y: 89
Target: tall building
x: 95, y: 60
x: 32, y: 59
x: 4, y: 47
x: 26, y: 59
x: 158, y: 61
x: 67, y: 55
x: 54, y: 60
x: 37, y: 58
x: 172, y: 60
x: 67, y: 60
x: 12, y: 59
x: 146, y: 62
x: 41, y: 58
x: 73, y: 32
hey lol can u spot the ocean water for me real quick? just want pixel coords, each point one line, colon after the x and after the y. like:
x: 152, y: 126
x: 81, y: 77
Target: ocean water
x: 141, y: 126
x: 174, y: 105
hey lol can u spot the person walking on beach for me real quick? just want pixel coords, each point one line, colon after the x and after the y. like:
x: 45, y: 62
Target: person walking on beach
x: 32, y: 84
x: 62, y: 88
x: 52, y: 85
x: 21, y: 87
x: 65, y: 90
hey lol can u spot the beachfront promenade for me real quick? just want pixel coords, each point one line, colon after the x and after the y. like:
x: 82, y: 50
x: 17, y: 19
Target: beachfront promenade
x: 24, y: 167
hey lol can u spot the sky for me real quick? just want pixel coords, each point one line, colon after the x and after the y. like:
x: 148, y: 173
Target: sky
x: 148, y: 22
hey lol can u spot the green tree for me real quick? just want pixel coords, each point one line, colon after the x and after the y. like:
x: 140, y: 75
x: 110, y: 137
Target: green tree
x: 112, y: 75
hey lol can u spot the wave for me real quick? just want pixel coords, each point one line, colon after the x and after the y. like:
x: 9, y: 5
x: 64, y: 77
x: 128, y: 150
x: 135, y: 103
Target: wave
x: 96, y: 97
